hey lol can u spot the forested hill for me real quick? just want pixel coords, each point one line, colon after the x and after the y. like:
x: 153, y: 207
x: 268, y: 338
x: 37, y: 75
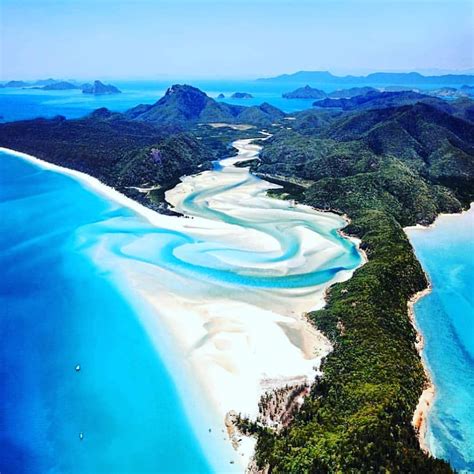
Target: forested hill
x: 384, y: 169
x: 186, y: 105
x: 121, y: 153
x: 149, y: 146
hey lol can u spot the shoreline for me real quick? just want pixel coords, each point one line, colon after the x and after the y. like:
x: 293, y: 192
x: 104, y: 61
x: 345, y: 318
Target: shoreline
x: 421, y: 413
x: 164, y: 347
x: 427, y: 397
x: 294, y: 324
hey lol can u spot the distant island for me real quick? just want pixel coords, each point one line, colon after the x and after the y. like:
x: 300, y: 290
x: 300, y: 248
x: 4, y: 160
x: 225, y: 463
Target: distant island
x: 99, y: 88
x: 306, y: 92
x: 377, y: 100
x: 241, y: 95
x: 351, y: 92
x: 377, y: 78
x: 221, y: 96
x: 58, y: 86
x: 16, y: 84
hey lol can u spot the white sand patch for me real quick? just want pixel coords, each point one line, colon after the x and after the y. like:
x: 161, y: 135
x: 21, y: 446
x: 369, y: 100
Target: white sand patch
x: 235, y: 339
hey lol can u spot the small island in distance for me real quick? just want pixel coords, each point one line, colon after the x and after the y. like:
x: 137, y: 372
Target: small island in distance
x: 58, y: 86
x: 97, y: 88
x: 306, y: 92
x: 241, y: 95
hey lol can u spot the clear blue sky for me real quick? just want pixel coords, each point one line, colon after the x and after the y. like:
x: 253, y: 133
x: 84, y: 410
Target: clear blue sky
x: 239, y: 38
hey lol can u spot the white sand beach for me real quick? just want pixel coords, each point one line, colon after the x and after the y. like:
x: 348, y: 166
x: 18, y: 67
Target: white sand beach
x: 236, y: 340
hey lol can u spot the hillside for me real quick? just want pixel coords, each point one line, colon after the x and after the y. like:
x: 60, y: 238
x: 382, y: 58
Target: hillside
x: 385, y: 169
x: 121, y: 153
x: 306, y: 92
x: 375, y: 99
x: 186, y: 105
x: 351, y: 92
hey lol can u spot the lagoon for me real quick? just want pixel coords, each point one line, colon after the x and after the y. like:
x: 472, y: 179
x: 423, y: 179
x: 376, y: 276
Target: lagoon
x: 169, y: 318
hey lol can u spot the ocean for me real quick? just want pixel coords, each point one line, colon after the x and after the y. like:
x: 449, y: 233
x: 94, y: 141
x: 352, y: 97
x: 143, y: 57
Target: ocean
x: 59, y: 311
x: 22, y: 104
x: 445, y: 317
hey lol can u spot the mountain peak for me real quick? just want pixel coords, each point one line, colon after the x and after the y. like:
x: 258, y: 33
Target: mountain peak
x: 186, y: 101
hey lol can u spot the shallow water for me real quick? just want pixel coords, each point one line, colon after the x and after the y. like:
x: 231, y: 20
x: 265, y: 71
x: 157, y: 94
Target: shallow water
x: 445, y: 317
x: 87, y: 281
x: 58, y: 310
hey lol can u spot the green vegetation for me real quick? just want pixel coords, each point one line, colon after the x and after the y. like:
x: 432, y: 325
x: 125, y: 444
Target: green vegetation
x: 375, y: 99
x: 186, y: 106
x: 306, y: 92
x: 121, y: 153
x: 358, y: 415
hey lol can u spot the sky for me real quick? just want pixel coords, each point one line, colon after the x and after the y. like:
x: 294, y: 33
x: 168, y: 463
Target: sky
x: 85, y: 39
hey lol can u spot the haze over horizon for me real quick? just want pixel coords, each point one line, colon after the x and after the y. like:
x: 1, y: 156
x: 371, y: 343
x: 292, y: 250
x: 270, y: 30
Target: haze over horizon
x: 208, y: 39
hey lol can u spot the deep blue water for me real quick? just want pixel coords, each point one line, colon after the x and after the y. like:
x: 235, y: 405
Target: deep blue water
x: 446, y: 320
x: 57, y: 310
x: 21, y: 104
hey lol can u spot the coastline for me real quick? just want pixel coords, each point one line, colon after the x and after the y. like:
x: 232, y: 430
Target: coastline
x: 421, y: 413
x: 426, y: 400
x: 312, y: 340
x: 201, y: 413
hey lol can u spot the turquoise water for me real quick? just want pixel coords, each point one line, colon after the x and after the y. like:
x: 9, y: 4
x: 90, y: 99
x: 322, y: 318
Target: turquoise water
x: 21, y: 104
x: 59, y: 310
x: 71, y: 259
x: 446, y: 319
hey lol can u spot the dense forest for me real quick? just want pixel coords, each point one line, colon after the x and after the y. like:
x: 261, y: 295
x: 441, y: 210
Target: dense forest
x: 385, y: 169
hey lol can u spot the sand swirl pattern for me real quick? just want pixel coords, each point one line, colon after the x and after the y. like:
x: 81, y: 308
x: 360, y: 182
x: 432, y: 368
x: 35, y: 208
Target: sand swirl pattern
x: 233, y: 280
x: 220, y: 288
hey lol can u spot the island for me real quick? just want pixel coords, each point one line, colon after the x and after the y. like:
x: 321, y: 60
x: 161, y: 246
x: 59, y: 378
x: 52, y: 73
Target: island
x: 221, y: 96
x: 351, y: 92
x: 17, y: 84
x: 306, y: 92
x: 241, y: 95
x: 99, y: 88
x: 407, y: 79
x: 376, y: 99
x: 58, y: 86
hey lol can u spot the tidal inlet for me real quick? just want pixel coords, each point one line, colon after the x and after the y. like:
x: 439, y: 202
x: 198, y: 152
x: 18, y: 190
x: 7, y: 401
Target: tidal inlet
x: 218, y: 293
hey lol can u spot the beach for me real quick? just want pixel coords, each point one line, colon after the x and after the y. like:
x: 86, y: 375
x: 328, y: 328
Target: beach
x: 228, y: 284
